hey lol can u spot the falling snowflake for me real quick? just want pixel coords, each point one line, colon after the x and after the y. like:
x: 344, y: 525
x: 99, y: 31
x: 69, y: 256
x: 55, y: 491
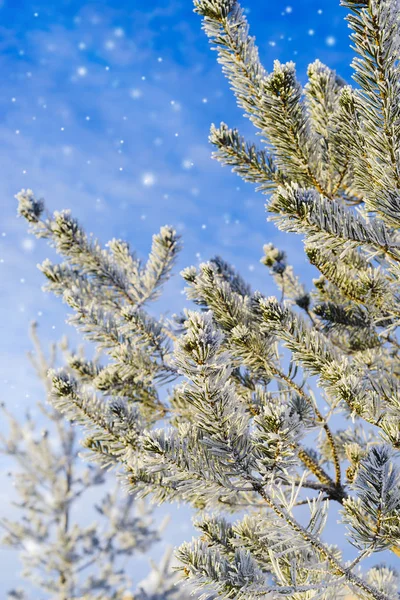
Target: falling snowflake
x: 82, y: 71
x: 28, y: 244
x: 135, y: 93
x: 148, y: 179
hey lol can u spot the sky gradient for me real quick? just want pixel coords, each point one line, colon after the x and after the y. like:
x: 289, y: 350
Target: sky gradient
x: 106, y: 109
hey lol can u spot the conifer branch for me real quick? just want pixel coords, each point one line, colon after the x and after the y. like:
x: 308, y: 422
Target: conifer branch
x: 305, y: 211
x: 337, y: 567
x: 253, y: 165
x: 237, y: 427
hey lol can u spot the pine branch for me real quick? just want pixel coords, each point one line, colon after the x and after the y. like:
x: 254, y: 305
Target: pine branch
x: 253, y: 165
x: 108, y: 270
x: 285, y: 278
x: 375, y: 38
x: 322, y: 93
x: 337, y: 567
x: 374, y: 515
x: 305, y: 211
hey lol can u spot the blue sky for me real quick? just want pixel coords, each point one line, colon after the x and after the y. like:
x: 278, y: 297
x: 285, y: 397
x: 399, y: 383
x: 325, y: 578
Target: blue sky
x: 105, y: 109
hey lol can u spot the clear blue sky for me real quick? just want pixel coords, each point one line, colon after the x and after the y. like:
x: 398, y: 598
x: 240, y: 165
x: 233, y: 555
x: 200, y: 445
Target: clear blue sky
x: 105, y: 108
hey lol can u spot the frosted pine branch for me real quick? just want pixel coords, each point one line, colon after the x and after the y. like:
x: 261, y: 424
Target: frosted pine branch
x: 240, y: 412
